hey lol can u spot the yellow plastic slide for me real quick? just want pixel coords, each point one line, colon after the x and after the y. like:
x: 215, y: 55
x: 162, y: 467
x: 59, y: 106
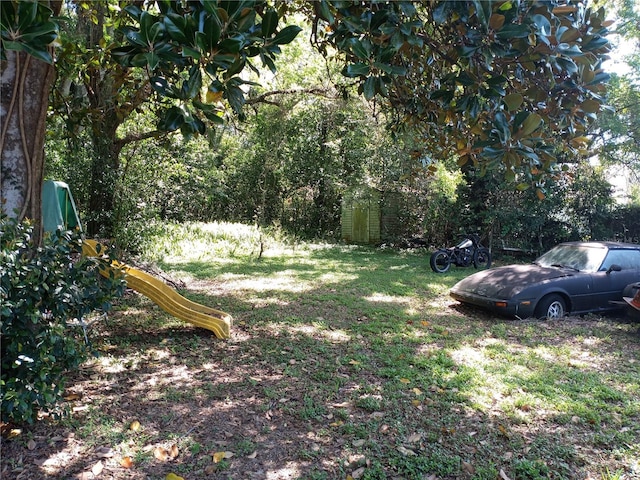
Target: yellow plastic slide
x: 167, y: 298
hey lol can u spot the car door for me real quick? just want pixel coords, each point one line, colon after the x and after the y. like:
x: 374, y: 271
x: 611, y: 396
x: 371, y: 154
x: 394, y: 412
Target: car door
x: 607, y: 286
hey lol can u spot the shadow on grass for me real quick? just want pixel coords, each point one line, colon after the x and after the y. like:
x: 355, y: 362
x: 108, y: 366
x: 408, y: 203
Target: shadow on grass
x: 347, y: 361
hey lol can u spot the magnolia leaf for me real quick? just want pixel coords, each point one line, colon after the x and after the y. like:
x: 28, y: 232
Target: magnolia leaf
x: 173, y: 476
x: 531, y: 123
x: 213, y: 97
x: 369, y: 88
x: 405, y: 380
x: 269, y: 23
x: 286, y: 35
x: 540, y: 194
x: 579, y: 141
x: 417, y: 391
x: 513, y: 101
x: 134, y: 426
x: 569, y: 35
x: 424, y: 323
x: 496, y: 21
x: 590, y: 106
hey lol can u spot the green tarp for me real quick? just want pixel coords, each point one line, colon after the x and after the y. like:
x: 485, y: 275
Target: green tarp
x: 58, y: 208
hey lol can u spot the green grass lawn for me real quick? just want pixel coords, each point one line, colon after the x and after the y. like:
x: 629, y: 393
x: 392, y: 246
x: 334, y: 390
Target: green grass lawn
x: 344, y: 362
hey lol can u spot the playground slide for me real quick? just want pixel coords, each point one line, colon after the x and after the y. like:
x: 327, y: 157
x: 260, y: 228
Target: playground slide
x: 168, y: 299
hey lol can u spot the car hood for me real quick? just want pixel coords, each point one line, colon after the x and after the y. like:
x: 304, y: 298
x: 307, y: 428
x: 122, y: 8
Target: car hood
x: 503, y: 282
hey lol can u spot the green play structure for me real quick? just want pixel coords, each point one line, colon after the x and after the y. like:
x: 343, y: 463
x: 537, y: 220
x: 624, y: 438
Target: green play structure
x: 58, y: 208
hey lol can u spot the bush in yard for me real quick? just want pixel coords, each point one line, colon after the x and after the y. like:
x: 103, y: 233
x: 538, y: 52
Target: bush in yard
x: 42, y: 289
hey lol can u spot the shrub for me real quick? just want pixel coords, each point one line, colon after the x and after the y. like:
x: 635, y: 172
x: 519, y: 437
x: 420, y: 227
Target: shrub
x: 42, y: 289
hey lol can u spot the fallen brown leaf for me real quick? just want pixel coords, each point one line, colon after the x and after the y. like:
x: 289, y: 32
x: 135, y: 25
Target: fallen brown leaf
x: 406, y: 451
x: 160, y: 453
x: 97, y: 468
x: 219, y: 456
x: 104, y: 452
x: 503, y: 475
x: 173, y: 451
x: 173, y: 476
x: 357, y: 473
x: 467, y: 467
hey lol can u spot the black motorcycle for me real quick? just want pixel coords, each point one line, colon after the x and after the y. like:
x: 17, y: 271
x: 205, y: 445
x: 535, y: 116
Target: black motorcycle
x: 469, y: 251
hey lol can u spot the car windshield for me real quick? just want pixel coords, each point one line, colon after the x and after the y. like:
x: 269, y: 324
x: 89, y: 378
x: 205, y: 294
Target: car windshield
x: 577, y: 257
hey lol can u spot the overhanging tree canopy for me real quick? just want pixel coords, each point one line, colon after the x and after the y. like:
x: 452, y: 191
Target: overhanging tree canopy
x: 509, y: 85
x: 512, y: 85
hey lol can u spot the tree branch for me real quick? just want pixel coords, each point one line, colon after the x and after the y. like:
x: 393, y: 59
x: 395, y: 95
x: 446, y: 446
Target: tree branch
x: 292, y: 91
x: 136, y: 137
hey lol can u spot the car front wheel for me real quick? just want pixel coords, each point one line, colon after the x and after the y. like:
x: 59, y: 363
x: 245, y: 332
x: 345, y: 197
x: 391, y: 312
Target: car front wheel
x: 551, y: 307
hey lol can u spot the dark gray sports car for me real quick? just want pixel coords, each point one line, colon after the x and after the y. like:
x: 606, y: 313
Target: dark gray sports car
x: 573, y: 277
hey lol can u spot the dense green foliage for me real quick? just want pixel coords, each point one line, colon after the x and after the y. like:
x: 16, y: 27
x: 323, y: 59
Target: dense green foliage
x: 507, y: 86
x: 292, y: 163
x: 502, y: 86
x: 42, y: 291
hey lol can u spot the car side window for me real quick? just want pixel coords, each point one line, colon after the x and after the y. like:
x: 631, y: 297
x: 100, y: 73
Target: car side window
x: 627, y: 259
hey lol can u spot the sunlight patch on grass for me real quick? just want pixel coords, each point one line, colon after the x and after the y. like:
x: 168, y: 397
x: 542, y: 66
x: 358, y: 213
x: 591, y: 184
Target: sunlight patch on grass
x: 282, y: 281
x: 333, y: 336
x: 490, y: 392
x: 336, y: 277
x: 382, y: 298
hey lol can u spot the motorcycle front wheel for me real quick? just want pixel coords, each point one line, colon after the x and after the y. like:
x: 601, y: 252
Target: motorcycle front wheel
x: 482, y: 259
x: 440, y: 261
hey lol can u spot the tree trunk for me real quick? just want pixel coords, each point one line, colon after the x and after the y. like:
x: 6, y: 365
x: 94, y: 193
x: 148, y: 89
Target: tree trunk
x: 24, y: 98
x: 104, y: 176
